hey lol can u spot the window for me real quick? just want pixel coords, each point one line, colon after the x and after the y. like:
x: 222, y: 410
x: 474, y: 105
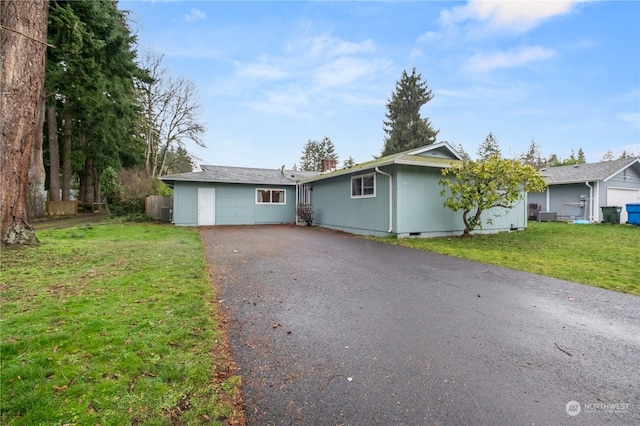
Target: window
x: 270, y: 196
x: 363, y: 186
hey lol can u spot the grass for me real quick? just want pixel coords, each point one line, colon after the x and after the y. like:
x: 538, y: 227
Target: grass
x: 113, y: 324
x: 600, y: 255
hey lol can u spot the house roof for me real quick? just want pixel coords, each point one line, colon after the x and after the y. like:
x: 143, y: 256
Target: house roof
x: 225, y: 174
x: 591, y: 172
x: 439, y: 155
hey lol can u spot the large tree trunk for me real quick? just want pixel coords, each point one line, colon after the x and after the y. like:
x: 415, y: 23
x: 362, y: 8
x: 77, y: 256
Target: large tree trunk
x: 54, y: 154
x: 87, y: 183
x: 22, y: 67
x: 37, y: 175
x: 67, y: 132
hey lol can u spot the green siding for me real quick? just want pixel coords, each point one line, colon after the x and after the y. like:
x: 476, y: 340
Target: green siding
x: 235, y: 204
x: 334, y: 208
x: 417, y: 206
x: 421, y: 210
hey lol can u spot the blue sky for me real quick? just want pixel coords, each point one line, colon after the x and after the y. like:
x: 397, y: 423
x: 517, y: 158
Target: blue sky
x: 272, y: 75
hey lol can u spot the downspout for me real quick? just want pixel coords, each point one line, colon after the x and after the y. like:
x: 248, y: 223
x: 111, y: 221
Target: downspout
x: 548, y: 208
x: 590, y: 201
x: 390, y: 198
x: 297, y: 202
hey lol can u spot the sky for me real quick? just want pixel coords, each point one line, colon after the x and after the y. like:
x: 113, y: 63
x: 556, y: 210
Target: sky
x: 273, y: 75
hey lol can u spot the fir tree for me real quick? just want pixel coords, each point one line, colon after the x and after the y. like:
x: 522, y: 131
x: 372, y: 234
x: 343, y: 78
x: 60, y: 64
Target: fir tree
x: 404, y: 127
x: 489, y: 148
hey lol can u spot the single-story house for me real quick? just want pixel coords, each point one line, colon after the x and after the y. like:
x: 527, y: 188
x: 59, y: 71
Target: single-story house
x: 393, y: 195
x: 220, y: 195
x: 580, y: 191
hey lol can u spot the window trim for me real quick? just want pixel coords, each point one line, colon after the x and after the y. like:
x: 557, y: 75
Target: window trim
x: 259, y: 201
x: 362, y: 177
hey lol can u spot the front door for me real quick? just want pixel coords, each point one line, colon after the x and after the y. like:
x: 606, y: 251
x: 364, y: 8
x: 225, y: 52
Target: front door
x: 206, y: 206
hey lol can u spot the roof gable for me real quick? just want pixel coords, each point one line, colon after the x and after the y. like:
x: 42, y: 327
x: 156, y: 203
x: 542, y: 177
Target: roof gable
x: 590, y: 172
x: 440, y: 155
x: 437, y: 150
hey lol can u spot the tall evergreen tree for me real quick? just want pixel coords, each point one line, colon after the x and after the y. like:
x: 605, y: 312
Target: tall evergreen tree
x: 489, y: 148
x: 90, y: 74
x: 532, y: 156
x: 404, y: 127
x: 316, y: 151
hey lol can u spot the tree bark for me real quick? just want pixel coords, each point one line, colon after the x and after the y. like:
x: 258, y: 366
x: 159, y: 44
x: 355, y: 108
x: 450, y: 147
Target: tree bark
x: 87, y: 191
x: 37, y: 175
x: 22, y: 68
x: 54, y: 154
x: 67, y: 131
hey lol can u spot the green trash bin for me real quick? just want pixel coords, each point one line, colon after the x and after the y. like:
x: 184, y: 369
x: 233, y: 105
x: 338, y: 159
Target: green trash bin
x: 611, y: 214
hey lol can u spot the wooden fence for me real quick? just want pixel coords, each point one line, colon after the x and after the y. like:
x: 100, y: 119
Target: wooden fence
x: 62, y: 208
x: 154, y: 204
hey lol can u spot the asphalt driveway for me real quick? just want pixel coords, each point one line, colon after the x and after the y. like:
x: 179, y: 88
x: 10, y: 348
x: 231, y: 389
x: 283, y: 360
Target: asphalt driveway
x: 332, y: 329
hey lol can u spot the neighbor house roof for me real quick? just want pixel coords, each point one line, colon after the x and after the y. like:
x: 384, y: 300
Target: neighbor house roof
x: 591, y: 172
x: 246, y: 175
x: 439, y: 155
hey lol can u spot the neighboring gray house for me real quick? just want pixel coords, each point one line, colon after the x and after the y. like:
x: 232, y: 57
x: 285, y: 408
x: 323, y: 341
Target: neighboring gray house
x: 394, y: 195
x: 220, y: 195
x: 579, y: 192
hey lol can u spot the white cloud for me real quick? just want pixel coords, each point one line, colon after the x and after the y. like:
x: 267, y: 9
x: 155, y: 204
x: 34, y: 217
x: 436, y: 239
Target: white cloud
x: 430, y: 36
x: 260, y: 71
x: 416, y: 53
x: 330, y: 47
x: 512, y: 59
x: 342, y: 72
x: 518, y: 16
x: 195, y: 15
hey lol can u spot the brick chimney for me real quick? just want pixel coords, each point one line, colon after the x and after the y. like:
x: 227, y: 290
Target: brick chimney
x: 328, y: 165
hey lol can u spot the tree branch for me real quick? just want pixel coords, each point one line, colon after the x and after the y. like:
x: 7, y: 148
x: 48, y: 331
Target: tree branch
x: 27, y: 36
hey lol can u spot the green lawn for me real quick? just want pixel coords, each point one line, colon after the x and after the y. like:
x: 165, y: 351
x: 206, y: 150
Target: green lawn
x: 117, y: 323
x: 600, y: 255
x: 113, y: 324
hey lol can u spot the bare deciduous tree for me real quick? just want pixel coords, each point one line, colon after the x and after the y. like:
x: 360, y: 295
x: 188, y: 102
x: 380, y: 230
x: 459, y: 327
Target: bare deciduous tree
x: 171, y: 114
x: 23, y: 36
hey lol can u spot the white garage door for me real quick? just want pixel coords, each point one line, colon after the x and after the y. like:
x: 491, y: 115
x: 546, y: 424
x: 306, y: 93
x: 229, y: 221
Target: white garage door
x: 621, y: 197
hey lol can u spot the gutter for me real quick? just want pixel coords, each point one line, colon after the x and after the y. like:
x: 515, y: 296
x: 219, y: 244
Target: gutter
x: 390, y: 198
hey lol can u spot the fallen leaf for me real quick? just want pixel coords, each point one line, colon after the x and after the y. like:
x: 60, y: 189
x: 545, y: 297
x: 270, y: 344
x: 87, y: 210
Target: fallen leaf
x: 59, y: 388
x: 127, y: 342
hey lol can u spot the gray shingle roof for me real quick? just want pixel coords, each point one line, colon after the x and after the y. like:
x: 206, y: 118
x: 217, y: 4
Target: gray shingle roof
x: 224, y: 174
x: 586, y: 172
x: 439, y: 155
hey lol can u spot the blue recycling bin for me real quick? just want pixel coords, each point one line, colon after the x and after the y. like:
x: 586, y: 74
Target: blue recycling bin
x: 633, y: 213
